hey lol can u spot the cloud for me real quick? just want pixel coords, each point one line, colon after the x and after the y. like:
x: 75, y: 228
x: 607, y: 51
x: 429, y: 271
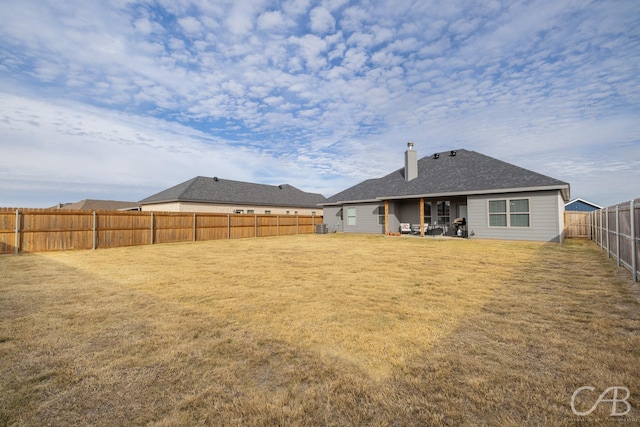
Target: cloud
x: 322, y: 21
x: 272, y: 20
x: 327, y: 92
x: 190, y: 25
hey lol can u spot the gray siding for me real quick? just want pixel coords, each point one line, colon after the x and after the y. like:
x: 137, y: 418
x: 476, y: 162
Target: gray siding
x: 545, y: 224
x: 366, y: 218
x: 331, y: 217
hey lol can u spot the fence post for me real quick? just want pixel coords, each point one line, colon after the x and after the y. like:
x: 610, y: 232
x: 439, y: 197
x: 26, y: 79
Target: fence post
x: 601, y: 230
x: 17, y: 237
x: 618, y: 234
x: 634, y: 242
x: 151, y: 228
x: 194, y: 227
x: 255, y: 226
x: 297, y: 224
x: 606, y: 216
x: 95, y: 237
x: 228, y: 226
x: 278, y: 225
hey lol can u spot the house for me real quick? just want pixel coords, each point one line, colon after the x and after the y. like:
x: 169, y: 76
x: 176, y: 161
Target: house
x: 581, y: 205
x: 450, y: 191
x: 98, y: 205
x: 203, y: 194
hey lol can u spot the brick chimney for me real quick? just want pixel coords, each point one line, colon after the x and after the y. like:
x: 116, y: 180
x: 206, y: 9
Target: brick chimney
x: 410, y: 163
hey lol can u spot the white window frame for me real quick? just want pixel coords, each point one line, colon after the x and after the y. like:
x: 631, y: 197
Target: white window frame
x: 381, y: 215
x: 508, y: 212
x: 351, y: 209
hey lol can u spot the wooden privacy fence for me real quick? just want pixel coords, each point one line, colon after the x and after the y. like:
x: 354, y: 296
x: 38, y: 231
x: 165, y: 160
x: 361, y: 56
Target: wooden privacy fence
x: 617, y: 230
x: 37, y: 230
x: 577, y: 225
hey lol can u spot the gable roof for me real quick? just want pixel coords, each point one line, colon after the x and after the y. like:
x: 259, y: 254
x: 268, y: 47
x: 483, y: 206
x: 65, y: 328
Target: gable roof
x: 464, y: 173
x: 96, y: 205
x: 583, y: 202
x: 216, y: 190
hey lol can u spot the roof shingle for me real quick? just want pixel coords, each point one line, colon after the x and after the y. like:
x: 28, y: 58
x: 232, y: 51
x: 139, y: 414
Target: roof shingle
x: 216, y: 190
x: 466, y: 172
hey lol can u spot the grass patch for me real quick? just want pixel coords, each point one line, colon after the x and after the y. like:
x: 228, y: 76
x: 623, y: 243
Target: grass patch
x: 315, y: 330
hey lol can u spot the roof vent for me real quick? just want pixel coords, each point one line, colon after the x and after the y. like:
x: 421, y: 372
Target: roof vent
x: 215, y: 178
x: 280, y: 186
x: 436, y: 156
x: 453, y: 153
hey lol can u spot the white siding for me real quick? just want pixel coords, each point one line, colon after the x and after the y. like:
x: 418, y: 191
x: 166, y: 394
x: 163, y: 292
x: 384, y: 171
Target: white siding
x: 545, y: 217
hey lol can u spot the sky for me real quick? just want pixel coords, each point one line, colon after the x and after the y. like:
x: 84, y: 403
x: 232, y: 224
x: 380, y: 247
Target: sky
x: 119, y: 100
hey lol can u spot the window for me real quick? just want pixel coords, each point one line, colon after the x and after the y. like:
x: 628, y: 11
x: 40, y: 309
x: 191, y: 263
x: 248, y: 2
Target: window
x: 250, y: 211
x: 444, y: 209
x: 497, y: 213
x: 380, y: 215
x: 509, y: 213
x: 238, y: 211
x: 351, y: 216
x: 427, y: 212
x: 313, y: 213
x: 267, y: 212
x: 519, y: 212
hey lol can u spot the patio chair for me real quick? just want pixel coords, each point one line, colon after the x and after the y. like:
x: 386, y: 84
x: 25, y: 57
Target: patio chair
x: 405, y: 228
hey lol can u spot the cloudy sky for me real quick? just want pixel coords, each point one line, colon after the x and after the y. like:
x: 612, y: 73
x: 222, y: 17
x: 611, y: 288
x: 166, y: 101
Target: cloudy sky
x: 120, y: 99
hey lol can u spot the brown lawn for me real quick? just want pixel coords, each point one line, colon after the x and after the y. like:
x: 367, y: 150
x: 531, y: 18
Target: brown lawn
x: 317, y: 330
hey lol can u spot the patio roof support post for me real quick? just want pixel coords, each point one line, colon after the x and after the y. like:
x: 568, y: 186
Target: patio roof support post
x: 421, y: 217
x: 386, y: 217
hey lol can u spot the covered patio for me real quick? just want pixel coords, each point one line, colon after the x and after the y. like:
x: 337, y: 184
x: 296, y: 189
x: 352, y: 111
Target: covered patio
x: 426, y: 216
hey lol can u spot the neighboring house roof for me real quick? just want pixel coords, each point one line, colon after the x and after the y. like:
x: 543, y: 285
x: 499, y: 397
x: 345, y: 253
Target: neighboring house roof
x: 95, y: 205
x: 579, y: 204
x: 464, y: 173
x: 215, y: 190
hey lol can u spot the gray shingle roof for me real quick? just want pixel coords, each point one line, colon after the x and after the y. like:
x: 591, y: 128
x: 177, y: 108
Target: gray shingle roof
x: 466, y: 172
x: 94, y: 205
x: 216, y: 190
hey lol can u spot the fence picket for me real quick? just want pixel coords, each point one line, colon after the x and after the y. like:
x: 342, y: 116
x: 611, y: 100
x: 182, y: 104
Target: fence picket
x: 37, y: 230
x: 626, y: 245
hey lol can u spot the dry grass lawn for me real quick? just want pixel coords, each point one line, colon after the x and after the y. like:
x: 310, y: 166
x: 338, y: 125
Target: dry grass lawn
x: 317, y: 330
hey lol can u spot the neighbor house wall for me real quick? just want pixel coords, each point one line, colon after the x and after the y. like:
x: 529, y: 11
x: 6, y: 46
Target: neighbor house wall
x: 230, y: 208
x: 545, y: 217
